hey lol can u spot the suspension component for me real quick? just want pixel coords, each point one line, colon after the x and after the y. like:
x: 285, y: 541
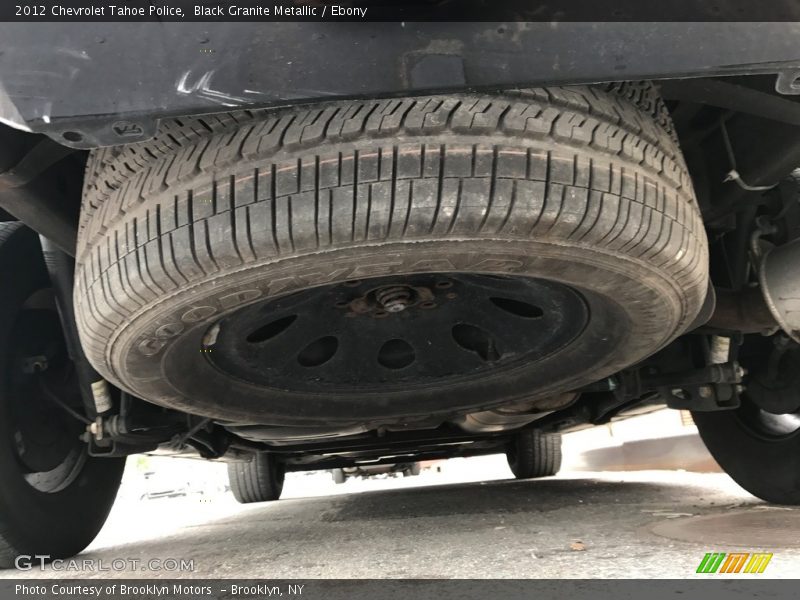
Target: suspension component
x: 94, y: 389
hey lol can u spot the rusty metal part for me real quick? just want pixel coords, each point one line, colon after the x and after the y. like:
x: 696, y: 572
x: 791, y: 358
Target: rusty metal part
x: 744, y: 311
x: 513, y: 416
x: 395, y: 298
x: 380, y: 302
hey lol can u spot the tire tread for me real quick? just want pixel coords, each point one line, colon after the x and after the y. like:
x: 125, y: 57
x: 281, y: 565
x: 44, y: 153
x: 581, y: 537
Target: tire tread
x: 255, y: 480
x: 560, y: 163
x: 536, y: 454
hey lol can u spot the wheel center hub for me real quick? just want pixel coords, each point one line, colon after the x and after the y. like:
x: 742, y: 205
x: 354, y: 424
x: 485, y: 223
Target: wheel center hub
x: 395, y: 298
x: 380, y: 302
x: 394, y: 334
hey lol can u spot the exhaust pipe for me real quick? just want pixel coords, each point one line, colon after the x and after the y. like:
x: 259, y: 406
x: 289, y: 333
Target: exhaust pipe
x: 775, y: 304
x: 744, y: 311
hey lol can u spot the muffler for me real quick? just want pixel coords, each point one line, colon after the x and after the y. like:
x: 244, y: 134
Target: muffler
x: 779, y: 276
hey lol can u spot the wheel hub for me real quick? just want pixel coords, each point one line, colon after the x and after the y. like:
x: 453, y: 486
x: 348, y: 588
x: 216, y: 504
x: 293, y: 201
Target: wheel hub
x: 378, y: 303
x: 395, y: 298
x: 397, y: 333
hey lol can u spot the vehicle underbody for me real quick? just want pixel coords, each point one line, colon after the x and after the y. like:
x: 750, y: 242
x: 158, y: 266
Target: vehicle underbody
x: 345, y: 364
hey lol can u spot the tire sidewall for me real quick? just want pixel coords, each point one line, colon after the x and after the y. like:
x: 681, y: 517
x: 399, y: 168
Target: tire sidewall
x: 159, y: 347
x: 767, y: 467
x: 33, y: 522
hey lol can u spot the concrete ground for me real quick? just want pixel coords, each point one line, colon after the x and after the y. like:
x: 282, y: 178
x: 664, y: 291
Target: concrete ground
x: 470, y: 520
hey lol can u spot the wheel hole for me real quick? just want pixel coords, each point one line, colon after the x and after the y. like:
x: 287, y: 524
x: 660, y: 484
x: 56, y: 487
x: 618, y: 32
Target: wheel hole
x: 318, y: 352
x: 396, y: 354
x: 271, y: 329
x: 517, y: 308
x: 72, y: 136
x: 475, y: 339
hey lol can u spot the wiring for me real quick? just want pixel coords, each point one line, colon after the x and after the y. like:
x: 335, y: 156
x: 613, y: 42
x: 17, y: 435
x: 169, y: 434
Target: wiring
x: 733, y: 174
x: 56, y: 400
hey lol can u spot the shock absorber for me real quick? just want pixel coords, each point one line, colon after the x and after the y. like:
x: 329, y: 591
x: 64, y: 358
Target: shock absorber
x: 95, y: 390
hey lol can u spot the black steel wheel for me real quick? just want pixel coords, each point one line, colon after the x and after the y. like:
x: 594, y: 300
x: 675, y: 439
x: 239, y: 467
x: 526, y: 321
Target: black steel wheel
x: 394, y: 334
x: 54, y: 497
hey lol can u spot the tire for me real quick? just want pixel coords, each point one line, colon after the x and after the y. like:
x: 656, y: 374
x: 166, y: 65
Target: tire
x: 579, y: 187
x: 413, y: 470
x: 764, y: 463
x: 339, y: 476
x: 58, y: 513
x: 257, y: 480
x: 534, y: 454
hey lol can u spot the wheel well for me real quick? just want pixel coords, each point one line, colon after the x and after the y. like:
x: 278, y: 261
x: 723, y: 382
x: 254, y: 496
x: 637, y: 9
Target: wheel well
x: 762, y: 125
x: 722, y: 124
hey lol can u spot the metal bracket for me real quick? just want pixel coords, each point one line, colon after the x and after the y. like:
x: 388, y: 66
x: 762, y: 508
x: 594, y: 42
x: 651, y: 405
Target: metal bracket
x: 704, y: 398
x: 788, y: 83
x: 95, y: 132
